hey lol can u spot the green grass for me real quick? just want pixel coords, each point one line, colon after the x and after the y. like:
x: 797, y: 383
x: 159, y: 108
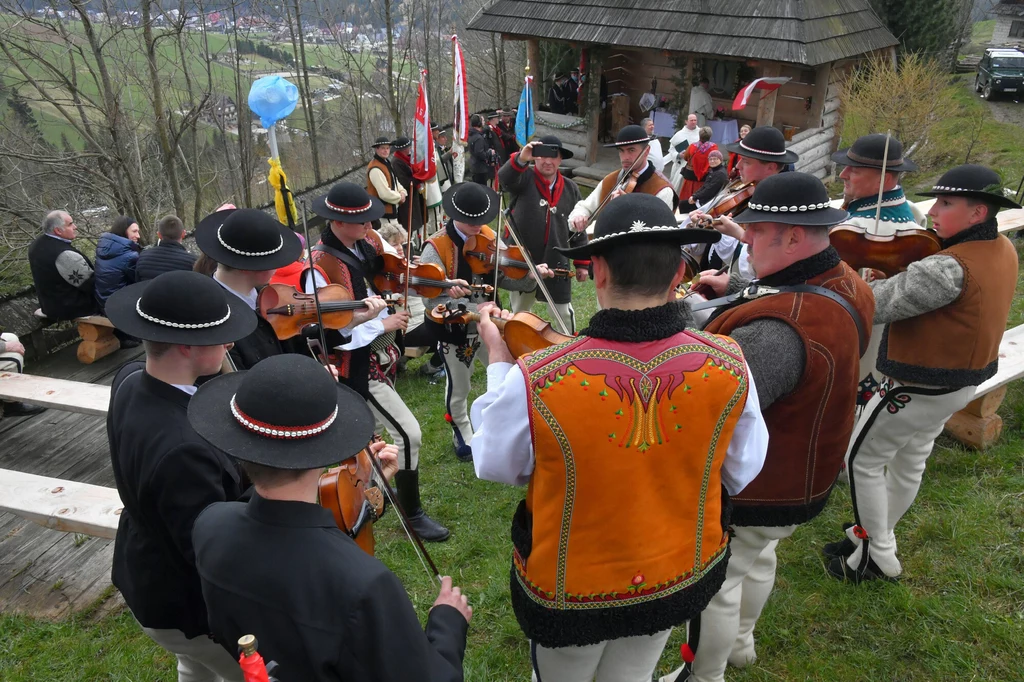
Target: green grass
x: 958, y: 613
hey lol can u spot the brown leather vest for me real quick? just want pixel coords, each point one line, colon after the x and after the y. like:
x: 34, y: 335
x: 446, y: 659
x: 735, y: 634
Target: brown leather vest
x: 390, y: 210
x: 809, y: 429
x: 958, y: 344
x: 652, y: 185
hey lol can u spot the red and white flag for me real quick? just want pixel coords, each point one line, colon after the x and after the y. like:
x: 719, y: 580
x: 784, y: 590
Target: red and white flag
x: 461, y: 92
x: 764, y: 84
x: 424, y: 166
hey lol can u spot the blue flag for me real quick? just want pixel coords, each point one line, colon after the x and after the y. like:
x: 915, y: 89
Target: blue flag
x: 524, y: 118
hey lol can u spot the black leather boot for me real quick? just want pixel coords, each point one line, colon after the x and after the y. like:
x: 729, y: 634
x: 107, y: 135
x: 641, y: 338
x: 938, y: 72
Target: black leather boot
x: 408, y: 485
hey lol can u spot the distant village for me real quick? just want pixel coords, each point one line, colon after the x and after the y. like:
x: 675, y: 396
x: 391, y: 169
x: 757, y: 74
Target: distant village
x: 358, y: 37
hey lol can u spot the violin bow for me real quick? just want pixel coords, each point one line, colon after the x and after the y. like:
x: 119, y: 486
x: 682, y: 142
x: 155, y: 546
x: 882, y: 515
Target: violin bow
x: 497, y: 242
x: 881, y: 181
x: 312, y: 275
x: 533, y: 269
x: 619, y: 185
x: 377, y: 470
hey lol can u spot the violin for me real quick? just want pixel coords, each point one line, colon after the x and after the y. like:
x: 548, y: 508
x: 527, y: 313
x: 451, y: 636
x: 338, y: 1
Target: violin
x: 288, y: 310
x: 628, y: 184
x: 890, y: 255
x: 523, y: 334
x: 349, y: 492
x: 426, y: 279
x: 734, y: 198
x: 481, y: 254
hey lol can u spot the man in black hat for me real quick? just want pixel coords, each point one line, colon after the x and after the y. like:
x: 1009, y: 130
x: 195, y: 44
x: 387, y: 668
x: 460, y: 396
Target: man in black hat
x: 470, y: 207
x: 944, y: 318
x: 632, y: 144
x: 576, y: 420
x: 248, y: 246
x: 493, y: 132
x: 542, y: 199
x: 556, y: 94
x: 507, y: 126
x: 861, y: 176
x: 481, y: 156
x: 762, y: 154
x: 382, y: 183
x: 166, y: 475
x: 802, y: 325
x: 278, y: 567
x: 445, y: 158
x: 572, y: 93
x: 416, y: 201
x: 366, y: 354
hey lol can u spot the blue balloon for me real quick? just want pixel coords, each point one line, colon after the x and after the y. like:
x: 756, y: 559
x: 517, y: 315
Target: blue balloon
x: 272, y: 98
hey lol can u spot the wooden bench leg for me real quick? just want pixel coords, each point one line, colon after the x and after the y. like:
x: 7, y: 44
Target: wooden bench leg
x: 978, y: 425
x: 97, y: 342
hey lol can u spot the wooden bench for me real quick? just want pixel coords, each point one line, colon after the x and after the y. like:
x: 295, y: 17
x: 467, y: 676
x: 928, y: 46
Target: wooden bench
x: 69, y: 396
x: 978, y: 425
x: 98, y: 338
x: 61, y: 505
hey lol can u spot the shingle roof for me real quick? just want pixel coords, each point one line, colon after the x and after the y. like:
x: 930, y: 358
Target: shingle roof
x: 809, y: 32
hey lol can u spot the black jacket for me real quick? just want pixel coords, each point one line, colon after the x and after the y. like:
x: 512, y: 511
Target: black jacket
x: 259, y: 345
x: 163, y: 257
x: 59, y: 299
x: 714, y: 181
x: 319, y: 606
x: 479, y: 152
x: 166, y: 475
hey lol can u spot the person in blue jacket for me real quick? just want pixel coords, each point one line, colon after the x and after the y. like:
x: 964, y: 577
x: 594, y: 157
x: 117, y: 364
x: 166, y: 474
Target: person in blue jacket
x: 116, y: 255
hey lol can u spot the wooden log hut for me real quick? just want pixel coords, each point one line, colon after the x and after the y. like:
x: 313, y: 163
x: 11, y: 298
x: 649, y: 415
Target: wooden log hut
x: 730, y: 42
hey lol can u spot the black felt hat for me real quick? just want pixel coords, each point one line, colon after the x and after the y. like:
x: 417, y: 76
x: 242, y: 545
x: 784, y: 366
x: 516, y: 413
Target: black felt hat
x: 635, y: 219
x: 631, y: 134
x: 247, y: 239
x: 868, y: 151
x: 792, y: 199
x: 380, y: 142
x: 471, y: 203
x: 764, y: 143
x: 494, y: 114
x: 181, y: 307
x: 401, y: 143
x: 348, y: 203
x: 286, y: 413
x: 552, y: 140
x: 434, y: 126
x: 971, y: 180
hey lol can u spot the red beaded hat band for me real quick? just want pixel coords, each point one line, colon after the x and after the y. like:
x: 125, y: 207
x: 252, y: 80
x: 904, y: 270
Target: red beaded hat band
x: 275, y: 431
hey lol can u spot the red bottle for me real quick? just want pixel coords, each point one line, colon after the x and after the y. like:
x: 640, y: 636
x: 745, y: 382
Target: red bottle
x: 253, y: 668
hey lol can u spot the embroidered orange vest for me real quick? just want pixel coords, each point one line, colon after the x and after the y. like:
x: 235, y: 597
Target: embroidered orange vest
x: 622, y: 530
x: 449, y: 253
x: 390, y: 210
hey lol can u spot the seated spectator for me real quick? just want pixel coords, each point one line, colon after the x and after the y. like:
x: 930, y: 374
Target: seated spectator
x: 62, y: 275
x: 12, y: 359
x: 116, y: 255
x: 168, y: 254
x: 715, y: 180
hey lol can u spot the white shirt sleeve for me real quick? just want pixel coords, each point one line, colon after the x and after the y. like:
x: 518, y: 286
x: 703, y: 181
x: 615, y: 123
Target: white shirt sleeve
x: 586, y: 207
x: 384, y: 191
x: 361, y: 335
x: 748, y: 447
x: 502, y: 447
x: 667, y: 195
x: 656, y: 157
x: 725, y: 247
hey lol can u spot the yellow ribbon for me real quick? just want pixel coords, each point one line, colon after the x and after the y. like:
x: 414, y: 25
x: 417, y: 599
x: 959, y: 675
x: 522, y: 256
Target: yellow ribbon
x: 278, y: 180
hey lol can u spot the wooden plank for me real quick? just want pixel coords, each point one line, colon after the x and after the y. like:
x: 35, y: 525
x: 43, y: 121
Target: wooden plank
x: 766, y: 104
x: 71, y: 396
x: 61, y: 505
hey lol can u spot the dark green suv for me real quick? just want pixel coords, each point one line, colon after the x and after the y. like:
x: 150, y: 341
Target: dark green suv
x: 1000, y: 70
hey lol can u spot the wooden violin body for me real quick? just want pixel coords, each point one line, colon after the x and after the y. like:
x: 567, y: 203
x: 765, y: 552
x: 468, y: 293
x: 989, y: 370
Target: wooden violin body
x: 890, y: 255
x: 481, y: 253
x: 733, y: 199
x: 426, y: 279
x: 523, y: 334
x: 288, y: 310
x: 349, y: 493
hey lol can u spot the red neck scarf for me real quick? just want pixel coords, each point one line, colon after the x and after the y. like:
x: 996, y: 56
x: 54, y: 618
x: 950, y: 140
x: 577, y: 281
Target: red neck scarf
x: 551, y: 194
